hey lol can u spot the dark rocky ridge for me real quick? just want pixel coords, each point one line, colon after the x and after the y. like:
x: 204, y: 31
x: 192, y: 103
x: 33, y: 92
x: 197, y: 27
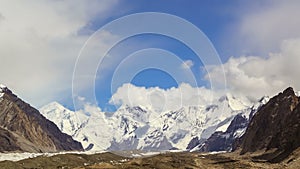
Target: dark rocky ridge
x: 24, y: 129
x: 274, y: 129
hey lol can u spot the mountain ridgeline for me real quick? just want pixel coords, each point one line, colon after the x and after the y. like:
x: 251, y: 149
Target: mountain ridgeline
x: 24, y: 129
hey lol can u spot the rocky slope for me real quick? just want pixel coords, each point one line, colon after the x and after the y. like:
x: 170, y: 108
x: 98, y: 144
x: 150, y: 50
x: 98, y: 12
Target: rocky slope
x: 275, y: 128
x: 23, y: 128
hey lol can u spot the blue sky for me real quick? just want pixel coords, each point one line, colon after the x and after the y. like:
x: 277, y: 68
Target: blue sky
x: 257, y: 42
x: 152, y: 77
x: 214, y: 18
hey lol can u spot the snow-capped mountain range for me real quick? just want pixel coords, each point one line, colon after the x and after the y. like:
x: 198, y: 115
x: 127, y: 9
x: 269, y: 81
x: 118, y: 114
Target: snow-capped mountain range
x: 131, y: 128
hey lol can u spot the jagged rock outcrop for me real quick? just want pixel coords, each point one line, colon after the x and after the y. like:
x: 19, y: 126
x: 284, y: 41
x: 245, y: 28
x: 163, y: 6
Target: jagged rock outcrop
x: 275, y: 128
x: 23, y: 128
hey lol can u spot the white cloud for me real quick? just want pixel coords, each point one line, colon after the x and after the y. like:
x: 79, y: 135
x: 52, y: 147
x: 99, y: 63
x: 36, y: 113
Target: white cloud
x: 250, y: 76
x: 40, y: 42
x: 256, y: 76
x: 187, y: 64
x: 160, y: 99
x: 273, y: 26
x: 263, y: 28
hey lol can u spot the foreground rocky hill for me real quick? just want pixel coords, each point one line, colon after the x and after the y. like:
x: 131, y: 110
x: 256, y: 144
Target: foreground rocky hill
x: 23, y: 128
x: 275, y: 128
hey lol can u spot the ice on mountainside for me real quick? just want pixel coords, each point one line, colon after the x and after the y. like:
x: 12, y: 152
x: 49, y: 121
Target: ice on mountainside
x: 237, y: 104
x: 224, y: 127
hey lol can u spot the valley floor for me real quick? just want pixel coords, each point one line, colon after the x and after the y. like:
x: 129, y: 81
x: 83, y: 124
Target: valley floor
x: 168, y: 160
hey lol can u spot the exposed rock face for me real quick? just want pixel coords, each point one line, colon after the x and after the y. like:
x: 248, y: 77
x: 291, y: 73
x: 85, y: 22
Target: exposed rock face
x: 228, y: 140
x: 23, y: 128
x: 275, y: 128
x: 194, y: 143
x: 8, y: 141
x: 222, y: 141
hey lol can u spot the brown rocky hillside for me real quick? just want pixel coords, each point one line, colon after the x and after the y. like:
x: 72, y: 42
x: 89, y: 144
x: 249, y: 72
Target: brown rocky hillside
x: 275, y: 128
x: 24, y: 129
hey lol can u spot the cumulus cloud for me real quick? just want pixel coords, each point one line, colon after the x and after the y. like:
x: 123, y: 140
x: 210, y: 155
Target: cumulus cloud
x: 268, y: 37
x: 255, y: 76
x: 163, y: 99
x: 250, y: 76
x: 263, y: 28
x: 39, y: 44
x: 187, y: 64
x: 273, y: 27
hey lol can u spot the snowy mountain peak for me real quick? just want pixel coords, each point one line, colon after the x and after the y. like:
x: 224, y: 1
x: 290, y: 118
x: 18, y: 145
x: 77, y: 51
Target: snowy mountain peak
x: 234, y: 103
x: 134, y: 108
x: 66, y: 120
x: 3, y: 88
x: 264, y: 99
x: 53, y: 106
